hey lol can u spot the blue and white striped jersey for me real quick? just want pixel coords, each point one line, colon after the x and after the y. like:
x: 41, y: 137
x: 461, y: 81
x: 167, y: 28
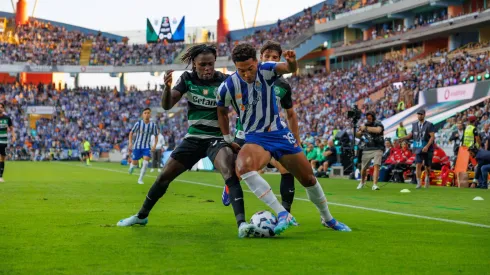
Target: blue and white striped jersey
x: 143, y: 132
x: 254, y: 103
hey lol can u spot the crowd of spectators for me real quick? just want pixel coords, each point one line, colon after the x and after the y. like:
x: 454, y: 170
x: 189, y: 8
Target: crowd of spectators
x: 102, y: 115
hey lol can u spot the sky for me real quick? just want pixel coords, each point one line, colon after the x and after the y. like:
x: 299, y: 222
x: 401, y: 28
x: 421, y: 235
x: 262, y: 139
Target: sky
x: 123, y: 15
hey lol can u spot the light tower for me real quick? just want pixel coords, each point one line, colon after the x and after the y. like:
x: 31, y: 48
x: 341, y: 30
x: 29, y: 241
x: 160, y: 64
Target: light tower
x: 223, y: 28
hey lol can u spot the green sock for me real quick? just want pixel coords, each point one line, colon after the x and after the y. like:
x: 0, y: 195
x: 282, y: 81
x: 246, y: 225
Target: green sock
x: 88, y: 161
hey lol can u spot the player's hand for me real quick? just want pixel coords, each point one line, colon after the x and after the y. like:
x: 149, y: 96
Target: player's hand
x: 290, y: 56
x: 235, y: 147
x: 167, y: 79
x: 425, y: 149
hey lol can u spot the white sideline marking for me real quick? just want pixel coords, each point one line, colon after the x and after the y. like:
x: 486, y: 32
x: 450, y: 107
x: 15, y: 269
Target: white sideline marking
x: 301, y: 199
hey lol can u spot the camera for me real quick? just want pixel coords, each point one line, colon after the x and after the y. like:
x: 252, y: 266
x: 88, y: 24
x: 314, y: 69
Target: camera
x: 354, y: 114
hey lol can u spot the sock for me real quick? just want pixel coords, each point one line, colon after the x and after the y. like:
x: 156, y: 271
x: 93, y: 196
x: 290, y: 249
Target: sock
x: 2, y: 168
x: 139, y: 163
x: 88, y: 161
x: 418, y: 180
x: 143, y: 169
x: 316, y: 196
x: 287, y: 190
x: 131, y: 165
x: 157, y: 190
x: 236, y: 197
x: 262, y: 190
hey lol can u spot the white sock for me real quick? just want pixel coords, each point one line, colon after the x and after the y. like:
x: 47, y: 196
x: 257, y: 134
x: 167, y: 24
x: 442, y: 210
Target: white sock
x: 132, y: 165
x: 316, y: 196
x: 262, y: 190
x: 143, y: 169
x: 418, y: 181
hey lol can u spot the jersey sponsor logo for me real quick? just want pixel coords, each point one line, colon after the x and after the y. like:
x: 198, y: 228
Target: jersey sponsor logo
x: 242, y: 107
x: 238, y: 95
x: 199, y: 100
x: 255, y: 102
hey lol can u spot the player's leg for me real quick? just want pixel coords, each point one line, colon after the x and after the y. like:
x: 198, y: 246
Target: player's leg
x: 251, y: 158
x: 365, y: 162
x: 87, y: 161
x: 183, y: 158
x: 2, y: 160
x: 298, y: 165
x: 418, y: 169
x: 225, y: 196
x: 377, y: 156
x: 427, y: 164
x: 136, y: 155
x: 144, y: 166
x: 287, y: 185
x: 224, y: 161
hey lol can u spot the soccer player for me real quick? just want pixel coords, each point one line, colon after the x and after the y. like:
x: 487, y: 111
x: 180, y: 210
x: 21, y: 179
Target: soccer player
x: 157, y: 154
x: 140, y: 146
x: 249, y: 91
x: 86, y: 151
x: 5, y: 127
x: 272, y: 51
x: 203, y: 138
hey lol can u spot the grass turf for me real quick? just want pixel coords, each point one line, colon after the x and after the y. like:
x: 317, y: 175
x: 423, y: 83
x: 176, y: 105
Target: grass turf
x: 59, y: 218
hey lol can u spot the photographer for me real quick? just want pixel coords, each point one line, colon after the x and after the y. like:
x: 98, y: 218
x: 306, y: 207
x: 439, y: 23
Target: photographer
x: 372, y: 145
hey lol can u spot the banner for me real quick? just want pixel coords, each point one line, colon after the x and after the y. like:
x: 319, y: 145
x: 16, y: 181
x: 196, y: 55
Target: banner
x: 454, y: 93
x: 41, y: 110
x: 169, y: 29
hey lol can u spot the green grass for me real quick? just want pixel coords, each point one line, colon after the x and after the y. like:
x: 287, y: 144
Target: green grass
x: 59, y: 218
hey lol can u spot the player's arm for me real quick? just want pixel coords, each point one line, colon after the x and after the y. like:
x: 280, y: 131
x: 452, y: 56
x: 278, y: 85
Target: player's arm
x: 130, y: 143
x: 170, y: 96
x: 477, y: 138
x: 223, y: 100
x: 290, y: 66
x: 407, y: 137
x: 12, y: 130
x: 431, y: 140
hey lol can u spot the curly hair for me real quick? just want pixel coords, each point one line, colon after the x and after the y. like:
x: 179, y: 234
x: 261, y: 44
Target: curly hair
x: 196, y: 50
x: 243, y: 52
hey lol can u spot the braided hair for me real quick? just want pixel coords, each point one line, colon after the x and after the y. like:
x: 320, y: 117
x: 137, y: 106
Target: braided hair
x: 191, y: 54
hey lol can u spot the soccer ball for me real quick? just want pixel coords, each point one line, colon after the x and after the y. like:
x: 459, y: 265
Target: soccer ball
x: 265, y: 221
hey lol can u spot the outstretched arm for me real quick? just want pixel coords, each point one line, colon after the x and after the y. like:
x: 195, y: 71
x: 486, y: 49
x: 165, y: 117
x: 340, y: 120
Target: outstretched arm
x: 290, y: 66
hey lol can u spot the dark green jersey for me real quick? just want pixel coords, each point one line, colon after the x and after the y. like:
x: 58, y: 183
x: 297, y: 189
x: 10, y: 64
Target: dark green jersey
x: 282, y: 89
x: 202, y: 114
x: 5, y: 123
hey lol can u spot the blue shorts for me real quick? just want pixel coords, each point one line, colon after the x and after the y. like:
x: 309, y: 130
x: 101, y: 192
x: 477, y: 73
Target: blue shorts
x: 139, y: 153
x: 278, y: 143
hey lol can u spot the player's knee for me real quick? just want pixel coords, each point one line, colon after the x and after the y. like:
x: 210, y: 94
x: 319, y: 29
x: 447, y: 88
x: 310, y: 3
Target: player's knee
x: 308, y: 180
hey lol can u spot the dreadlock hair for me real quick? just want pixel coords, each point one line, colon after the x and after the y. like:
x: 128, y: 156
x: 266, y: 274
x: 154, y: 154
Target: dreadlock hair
x: 271, y: 45
x: 243, y: 52
x: 191, y: 54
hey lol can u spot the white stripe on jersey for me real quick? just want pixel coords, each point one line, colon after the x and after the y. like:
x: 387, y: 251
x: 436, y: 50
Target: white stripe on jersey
x: 248, y: 99
x: 143, y: 134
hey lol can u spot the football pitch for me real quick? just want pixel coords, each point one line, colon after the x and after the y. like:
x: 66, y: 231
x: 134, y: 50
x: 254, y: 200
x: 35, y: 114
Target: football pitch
x: 59, y: 218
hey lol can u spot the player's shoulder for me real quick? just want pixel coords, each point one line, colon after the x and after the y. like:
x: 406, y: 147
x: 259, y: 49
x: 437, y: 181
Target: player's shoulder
x: 187, y: 75
x: 267, y: 66
x: 283, y: 83
x: 219, y: 76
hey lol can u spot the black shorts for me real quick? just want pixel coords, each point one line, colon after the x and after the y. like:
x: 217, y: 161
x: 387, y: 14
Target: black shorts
x: 85, y: 154
x: 191, y: 150
x: 3, y: 148
x: 426, y: 158
x: 239, y: 141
